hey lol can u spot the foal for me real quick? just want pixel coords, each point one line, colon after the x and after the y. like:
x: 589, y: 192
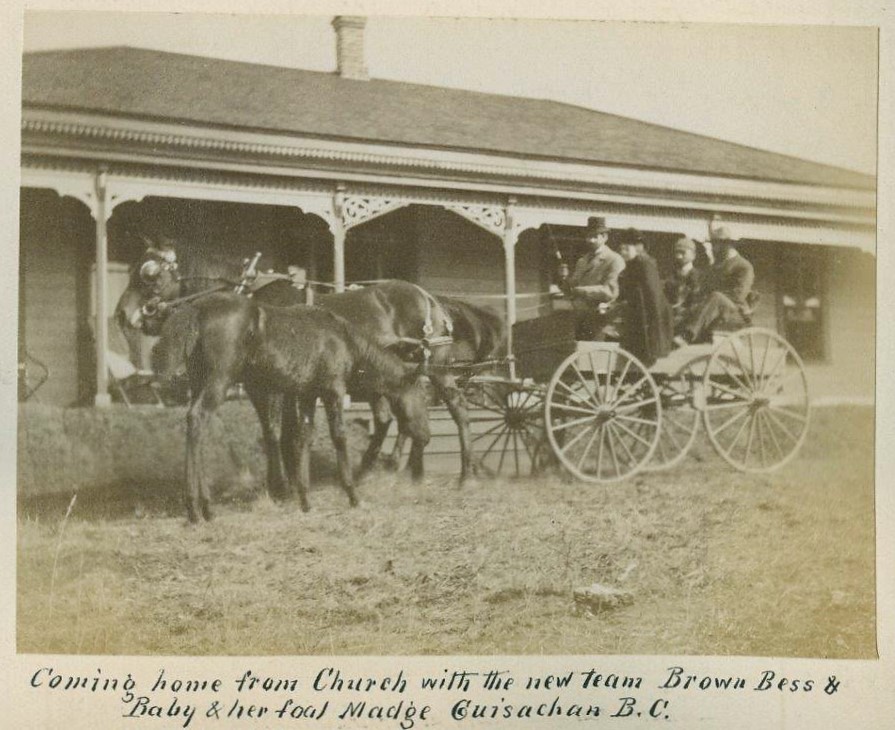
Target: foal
x: 302, y: 353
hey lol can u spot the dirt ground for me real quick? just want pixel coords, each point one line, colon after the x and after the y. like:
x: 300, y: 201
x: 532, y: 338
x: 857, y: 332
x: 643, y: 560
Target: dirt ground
x: 716, y: 562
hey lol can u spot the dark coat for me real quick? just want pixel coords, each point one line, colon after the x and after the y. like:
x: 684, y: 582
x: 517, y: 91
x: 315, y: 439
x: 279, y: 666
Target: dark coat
x: 648, y: 327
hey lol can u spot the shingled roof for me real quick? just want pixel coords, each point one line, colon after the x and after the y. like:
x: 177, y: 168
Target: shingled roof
x: 156, y: 85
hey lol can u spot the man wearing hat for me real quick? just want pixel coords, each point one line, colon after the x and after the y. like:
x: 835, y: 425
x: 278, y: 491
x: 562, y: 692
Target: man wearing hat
x: 685, y: 289
x: 594, y: 282
x: 730, y: 292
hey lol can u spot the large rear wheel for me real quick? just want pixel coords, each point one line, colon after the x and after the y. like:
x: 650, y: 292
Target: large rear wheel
x: 757, y: 410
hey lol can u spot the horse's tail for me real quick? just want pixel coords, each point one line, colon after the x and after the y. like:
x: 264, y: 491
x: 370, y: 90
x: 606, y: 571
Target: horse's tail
x: 481, y: 329
x: 178, y: 340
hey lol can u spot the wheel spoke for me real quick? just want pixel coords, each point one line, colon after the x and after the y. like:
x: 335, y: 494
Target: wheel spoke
x: 634, y: 406
x: 634, y: 419
x: 600, y: 452
x: 781, y: 426
x: 503, y: 452
x: 622, y: 426
x: 733, y: 376
x: 574, y: 422
x: 733, y: 443
x: 618, y: 472
x: 516, y: 453
x: 785, y: 412
x: 620, y: 396
x: 726, y: 404
x: 621, y: 377
x: 592, y: 393
x: 736, y: 351
x: 770, y: 426
x: 761, y: 438
x: 670, y: 433
x: 577, y: 396
x: 633, y: 459
x: 733, y: 419
x: 736, y: 394
x: 491, y: 430
x: 575, y: 440
x: 573, y: 409
x: 496, y: 439
x: 750, y: 438
x: 589, y: 444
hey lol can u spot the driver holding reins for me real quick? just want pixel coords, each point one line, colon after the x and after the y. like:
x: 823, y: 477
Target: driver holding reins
x: 593, y: 285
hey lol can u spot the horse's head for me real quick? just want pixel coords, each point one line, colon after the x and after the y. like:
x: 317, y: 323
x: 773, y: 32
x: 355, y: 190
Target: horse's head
x: 154, y: 281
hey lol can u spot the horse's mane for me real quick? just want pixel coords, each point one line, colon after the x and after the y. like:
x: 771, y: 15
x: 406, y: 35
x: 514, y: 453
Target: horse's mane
x: 480, y: 328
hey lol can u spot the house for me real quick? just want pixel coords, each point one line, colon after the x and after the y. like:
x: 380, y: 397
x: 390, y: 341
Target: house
x: 354, y: 178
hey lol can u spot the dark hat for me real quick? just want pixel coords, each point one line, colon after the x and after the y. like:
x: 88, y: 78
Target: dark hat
x: 633, y: 236
x: 596, y: 226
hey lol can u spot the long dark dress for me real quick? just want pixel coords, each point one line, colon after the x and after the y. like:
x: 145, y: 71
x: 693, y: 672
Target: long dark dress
x: 648, y: 324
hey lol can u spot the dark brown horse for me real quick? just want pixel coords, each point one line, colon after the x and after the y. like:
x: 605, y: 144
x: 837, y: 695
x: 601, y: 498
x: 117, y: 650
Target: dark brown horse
x: 398, y: 315
x: 292, y: 355
x: 479, y: 339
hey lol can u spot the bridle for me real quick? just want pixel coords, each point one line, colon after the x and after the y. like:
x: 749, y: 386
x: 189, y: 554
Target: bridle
x: 151, y: 270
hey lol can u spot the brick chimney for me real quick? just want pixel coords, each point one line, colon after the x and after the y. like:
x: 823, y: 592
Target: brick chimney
x: 350, y: 46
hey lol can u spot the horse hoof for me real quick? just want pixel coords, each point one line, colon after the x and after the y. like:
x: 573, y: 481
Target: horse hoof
x: 305, y: 506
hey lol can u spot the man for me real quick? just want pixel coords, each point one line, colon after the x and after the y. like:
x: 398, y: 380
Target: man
x: 646, y: 316
x: 730, y: 285
x: 685, y: 289
x: 593, y: 284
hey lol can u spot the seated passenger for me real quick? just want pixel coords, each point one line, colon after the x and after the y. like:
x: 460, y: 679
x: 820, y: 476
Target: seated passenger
x: 593, y: 284
x: 646, y: 314
x: 729, y: 286
x: 685, y: 289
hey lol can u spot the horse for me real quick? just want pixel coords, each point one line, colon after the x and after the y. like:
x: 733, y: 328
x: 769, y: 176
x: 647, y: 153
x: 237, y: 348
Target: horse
x: 297, y: 354
x: 479, y: 339
x: 396, y: 314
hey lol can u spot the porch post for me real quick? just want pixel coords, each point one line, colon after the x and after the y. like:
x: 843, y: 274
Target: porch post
x: 510, y: 236
x: 338, y: 228
x: 102, y: 398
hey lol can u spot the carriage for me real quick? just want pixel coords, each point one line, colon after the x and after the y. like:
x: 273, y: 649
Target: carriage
x: 599, y: 412
x: 592, y: 407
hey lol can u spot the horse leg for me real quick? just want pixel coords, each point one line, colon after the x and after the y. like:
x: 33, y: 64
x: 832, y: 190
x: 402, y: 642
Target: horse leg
x: 301, y: 435
x: 269, y: 407
x: 382, y: 420
x: 198, y: 494
x: 412, y: 411
x: 446, y: 389
x: 332, y: 401
x: 397, y: 450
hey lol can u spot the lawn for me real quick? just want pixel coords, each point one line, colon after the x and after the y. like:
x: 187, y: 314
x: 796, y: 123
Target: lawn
x: 716, y: 562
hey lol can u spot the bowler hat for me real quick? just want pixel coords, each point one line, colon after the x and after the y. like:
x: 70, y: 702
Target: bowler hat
x: 595, y: 226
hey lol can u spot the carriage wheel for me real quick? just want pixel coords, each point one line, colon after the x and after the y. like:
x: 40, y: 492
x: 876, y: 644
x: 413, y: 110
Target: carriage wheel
x: 507, y: 430
x: 603, y: 414
x: 756, y: 400
x: 680, y: 414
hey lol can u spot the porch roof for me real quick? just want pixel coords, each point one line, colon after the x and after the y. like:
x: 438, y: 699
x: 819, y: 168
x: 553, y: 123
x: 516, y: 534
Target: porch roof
x: 154, y: 85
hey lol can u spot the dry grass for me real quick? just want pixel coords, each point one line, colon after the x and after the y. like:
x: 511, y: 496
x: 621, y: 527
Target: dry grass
x: 718, y: 563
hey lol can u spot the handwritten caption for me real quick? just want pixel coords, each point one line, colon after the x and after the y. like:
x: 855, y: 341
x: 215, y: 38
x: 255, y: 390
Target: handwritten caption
x: 400, y: 699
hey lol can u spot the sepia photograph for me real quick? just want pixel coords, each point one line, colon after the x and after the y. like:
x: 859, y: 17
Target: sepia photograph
x: 367, y: 335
